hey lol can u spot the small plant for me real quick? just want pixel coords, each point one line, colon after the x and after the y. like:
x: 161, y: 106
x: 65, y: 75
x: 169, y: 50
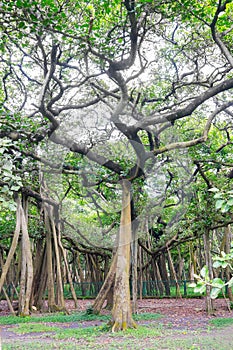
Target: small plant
x: 222, y: 322
x: 203, y: 280
x: 90, y: 310
x: 217, y: 284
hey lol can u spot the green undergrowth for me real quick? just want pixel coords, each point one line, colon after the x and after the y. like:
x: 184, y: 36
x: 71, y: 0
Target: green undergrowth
x: 89, y: 333
x: 25, y: 328
x: 150, y: 336
x: 222, y: 322
x: 75, y: 317
x: 60, y: 317
x: 146, y: 316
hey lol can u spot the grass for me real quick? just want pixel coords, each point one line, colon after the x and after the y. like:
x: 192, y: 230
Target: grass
x: 222, y: 322
x: 145, y: 337
x: 25, y: 328
x: 41, y: 335
x: 75, y: 317
x: 89, y: 333
x: 60, y: 317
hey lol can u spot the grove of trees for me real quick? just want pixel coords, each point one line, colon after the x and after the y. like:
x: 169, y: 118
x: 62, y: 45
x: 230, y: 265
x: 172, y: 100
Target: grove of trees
x: 116, y: 135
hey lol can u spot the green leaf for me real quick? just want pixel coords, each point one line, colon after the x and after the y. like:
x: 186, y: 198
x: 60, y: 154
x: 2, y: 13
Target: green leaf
x: 218, y: 195
x: 15, y: 188
x: 204, y: 272
x: 219, y: 203
x: 200, y: 289
x: 230, y: 202
x: 19, y: 3
x: 213, y: 189
x: 217, y: 264
x: 217, y: 283
x: 230, y: 282
x: 22, y: 25
x: 192, y: 285
x: 225, y: 208
x: 214, y: 293
x: 224, y: 264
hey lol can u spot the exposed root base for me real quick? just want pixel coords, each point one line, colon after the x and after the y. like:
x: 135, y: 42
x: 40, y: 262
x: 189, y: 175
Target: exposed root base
x: 55, y: 308
x: 24, y: 314
x: 122, y: 326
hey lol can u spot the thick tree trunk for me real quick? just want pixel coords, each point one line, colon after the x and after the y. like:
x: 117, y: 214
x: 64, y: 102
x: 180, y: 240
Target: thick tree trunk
x: 122, y: 312
x: 163, y: 273
x: 40, y: 274
x: 40, y: 282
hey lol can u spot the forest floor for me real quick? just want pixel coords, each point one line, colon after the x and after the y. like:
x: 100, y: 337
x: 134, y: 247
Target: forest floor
x: 181, y: 324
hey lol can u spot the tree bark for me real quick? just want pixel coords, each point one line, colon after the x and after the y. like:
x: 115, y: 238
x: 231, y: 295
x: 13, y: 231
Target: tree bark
x: 108, y: 283
x: 227, y: 250
x: 27, y: 268
x: 67, y: 269
x: 178, y: 293
x: 122, y: 311
x: 40, y: 274
x: 13, y: 246
x: 49, y: 258
x: 208, y: 261
x: 134, y: 256
x: 163, y: 273
x: 59, y: 289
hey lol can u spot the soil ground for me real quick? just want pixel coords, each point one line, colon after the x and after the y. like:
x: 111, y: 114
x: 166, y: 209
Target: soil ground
x: 184, y: 321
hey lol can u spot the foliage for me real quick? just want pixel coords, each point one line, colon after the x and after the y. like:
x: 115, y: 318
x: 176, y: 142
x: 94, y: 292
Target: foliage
x: 224, y: 200
x: 11, y: 182
x: 217, y: 284
x: 96, y: 92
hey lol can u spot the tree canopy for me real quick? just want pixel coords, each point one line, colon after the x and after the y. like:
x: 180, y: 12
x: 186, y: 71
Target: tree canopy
x: 115, y: 102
